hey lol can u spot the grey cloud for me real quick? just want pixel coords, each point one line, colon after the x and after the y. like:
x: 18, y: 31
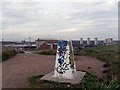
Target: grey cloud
x: 47, y: 18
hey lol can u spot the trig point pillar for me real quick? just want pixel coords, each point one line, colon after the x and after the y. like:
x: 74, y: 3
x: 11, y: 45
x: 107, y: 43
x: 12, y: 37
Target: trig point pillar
x: 64, y: 65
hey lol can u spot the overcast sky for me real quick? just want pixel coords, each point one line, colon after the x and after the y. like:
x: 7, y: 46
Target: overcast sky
x: 59, y: 20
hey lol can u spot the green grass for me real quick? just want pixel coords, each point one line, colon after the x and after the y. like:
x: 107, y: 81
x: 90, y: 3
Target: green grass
x: 48, y: 52
x: 6, y: 54
x: 108, y: 54
x: 35, y: 82
x: 90, y: 82
x: 111, y: 48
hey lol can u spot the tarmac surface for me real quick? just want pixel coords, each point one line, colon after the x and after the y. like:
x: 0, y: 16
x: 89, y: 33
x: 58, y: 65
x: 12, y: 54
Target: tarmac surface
x: 17, y: 70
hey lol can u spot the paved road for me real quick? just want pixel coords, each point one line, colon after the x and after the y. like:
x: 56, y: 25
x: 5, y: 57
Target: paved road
x: 18, y: 69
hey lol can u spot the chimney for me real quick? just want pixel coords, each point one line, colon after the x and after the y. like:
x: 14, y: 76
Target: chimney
x: 96, y: 41
x: 88, y: 41
x: 81, y: 41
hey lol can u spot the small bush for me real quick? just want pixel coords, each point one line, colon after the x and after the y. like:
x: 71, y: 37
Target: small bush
x: 7, y: 54
x: 48, y: 52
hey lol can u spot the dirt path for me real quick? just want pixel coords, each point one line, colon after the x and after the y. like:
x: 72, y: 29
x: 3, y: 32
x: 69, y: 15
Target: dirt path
x: 90, y: 64
x: 17, y: 70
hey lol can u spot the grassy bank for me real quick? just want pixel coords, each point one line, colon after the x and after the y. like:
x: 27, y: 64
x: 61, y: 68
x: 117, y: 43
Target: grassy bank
x: 35, y: 82
x: 90, y: 82
x: 48, y: 52
x: 110, y: 55
x: 6, y: 54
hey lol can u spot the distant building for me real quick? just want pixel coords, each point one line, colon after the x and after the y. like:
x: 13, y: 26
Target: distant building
x: 109, y: 41
x: 116, y: 42
x: 88, y: 41
x: 46, y: 44
x: 76, y: 44
x: 39, y: 43
x: 96, y: 41
x: 18, y: 45
x: 81, y: 41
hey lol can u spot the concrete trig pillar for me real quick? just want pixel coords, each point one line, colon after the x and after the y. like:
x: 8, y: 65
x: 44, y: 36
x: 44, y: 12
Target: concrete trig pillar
x: 65, y: 67
x: 64, y: 64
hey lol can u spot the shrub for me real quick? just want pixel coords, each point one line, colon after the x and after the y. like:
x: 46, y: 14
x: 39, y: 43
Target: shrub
x: 48, y: 52
x: 6, y: 54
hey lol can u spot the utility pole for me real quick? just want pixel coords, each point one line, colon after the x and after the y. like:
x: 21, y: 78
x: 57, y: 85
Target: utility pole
x: 29, y: 42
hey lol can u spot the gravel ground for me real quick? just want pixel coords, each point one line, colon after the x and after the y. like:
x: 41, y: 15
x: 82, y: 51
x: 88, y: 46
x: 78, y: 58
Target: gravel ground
x: 18, y: 69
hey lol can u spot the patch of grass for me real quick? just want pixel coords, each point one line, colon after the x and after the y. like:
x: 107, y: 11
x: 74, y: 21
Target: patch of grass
x: 6, y: 54
x: 35, y: 82
x: 111, y: 48
x: 108, y: 54
x: 90, y: 82
x: 48, y: 52
x: 32, y: 81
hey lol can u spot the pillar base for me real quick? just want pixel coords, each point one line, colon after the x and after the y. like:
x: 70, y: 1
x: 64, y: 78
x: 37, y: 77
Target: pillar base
x: 75, y: 80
